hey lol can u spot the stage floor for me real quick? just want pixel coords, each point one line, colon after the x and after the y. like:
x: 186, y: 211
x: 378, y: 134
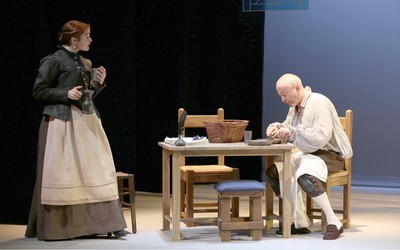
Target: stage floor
x: 375, y: 218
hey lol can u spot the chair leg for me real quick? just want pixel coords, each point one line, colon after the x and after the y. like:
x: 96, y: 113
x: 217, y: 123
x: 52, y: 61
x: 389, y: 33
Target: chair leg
x: 346, y: 206
x: 126, y: 187
x: 182, y: 197
x: 255, y: 215
x: 120, y: 183
x: 131, y: 186
x: 309, y: 207
x: 251, y: 214
x: 235, y: 200
x: 225, y: 218
x: 189, y: 196
x: 280, y: 211
x: 235, y: 207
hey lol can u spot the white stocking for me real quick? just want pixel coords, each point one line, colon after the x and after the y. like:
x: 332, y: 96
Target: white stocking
x: 323, y: 201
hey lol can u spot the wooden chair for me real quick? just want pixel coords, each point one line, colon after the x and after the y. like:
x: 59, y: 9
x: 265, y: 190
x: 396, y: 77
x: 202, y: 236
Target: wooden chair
x: 195, y: 174
x: 341, y: 178
x: 126, y: 187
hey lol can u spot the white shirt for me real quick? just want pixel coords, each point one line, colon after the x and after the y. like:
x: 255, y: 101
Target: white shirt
x: 317, y: 126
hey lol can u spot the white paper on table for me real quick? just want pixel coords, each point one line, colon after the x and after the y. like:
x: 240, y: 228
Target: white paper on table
x: 187, y: 140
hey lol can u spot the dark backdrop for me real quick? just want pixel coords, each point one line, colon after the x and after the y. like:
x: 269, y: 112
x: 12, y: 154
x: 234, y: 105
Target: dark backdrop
x: 159, y: 55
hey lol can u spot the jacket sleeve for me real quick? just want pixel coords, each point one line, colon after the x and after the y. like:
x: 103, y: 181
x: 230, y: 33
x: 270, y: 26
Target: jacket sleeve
x: 46, y: 82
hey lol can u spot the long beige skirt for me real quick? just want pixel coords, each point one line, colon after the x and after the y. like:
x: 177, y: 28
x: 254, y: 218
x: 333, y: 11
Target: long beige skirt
x: 71, y: 217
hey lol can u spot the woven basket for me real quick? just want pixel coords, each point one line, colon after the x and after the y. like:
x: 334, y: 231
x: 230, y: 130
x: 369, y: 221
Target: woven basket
x: 225, y: 131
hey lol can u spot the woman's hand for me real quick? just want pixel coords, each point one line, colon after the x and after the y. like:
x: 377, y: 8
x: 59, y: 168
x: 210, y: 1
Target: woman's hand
x: 101, y: 74
x: 75, y: 93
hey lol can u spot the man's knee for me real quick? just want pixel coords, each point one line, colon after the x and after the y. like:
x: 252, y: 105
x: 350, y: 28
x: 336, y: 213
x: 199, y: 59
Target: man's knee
x: 311, y: 185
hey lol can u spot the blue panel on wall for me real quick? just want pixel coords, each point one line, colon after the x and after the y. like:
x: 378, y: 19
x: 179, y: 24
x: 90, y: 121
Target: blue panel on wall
x: 263, y: 5
x: 339, y: 50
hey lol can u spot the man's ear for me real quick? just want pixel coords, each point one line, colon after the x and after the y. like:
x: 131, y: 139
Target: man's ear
x: 297, y: 86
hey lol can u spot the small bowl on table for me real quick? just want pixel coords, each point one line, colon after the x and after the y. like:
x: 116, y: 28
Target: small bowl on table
x: 263, y: 142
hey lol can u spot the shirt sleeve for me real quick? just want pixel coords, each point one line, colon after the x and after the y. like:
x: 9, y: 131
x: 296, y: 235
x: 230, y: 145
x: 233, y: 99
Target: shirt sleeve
x: 315, y: 129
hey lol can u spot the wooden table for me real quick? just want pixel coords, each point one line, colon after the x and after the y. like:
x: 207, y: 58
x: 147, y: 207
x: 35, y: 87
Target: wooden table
x: 172, y: 216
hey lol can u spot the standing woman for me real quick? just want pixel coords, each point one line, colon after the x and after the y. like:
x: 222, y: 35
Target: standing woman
x: 76, y: 191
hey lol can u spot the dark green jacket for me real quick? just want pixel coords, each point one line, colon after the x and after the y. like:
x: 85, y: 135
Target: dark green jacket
x: 58, y: 73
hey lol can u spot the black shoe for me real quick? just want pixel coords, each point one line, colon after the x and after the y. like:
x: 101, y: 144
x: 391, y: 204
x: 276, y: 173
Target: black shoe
x: 120, y: 234
x: 294, y: 230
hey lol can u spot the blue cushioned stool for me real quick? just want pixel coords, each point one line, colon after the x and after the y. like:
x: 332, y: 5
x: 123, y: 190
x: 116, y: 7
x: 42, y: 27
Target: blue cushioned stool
x: 226, y: 220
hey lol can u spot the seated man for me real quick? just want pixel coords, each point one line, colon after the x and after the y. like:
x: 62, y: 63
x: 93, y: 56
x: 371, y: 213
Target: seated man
x: 313, y: 125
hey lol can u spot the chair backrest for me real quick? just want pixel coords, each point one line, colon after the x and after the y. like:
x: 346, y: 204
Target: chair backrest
x: 197, y: 121
x: 347, y: 124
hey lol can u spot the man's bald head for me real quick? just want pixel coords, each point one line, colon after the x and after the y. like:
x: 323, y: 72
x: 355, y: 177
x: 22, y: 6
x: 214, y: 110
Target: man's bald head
x: 290, y: 88
x: 288, y: 80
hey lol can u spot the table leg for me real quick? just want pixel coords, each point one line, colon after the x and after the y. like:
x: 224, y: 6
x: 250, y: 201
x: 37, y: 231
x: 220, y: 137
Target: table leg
x: 166, y: 188
x: 176, y: 190
x: 287, y: 189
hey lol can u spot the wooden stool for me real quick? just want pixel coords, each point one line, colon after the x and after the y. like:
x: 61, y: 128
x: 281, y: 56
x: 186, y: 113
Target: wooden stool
x: 227, y: 190
x: 192, y: 174
x: 126, y: 186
